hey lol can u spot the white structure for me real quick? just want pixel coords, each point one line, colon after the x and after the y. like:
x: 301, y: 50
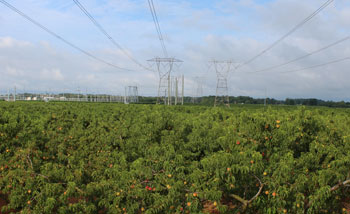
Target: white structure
x: 131, y: 95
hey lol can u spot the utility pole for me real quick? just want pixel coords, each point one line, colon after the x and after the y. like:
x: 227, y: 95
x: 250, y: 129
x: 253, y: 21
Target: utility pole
x: 183, y: 90
x: 198, y: 89
x: 164, y: 67
x: 78, y: 94
x: 176, y: 81
x: 176, y: 90
x: 14, y: 99
x: 222, y: 69
x: 169, y: 90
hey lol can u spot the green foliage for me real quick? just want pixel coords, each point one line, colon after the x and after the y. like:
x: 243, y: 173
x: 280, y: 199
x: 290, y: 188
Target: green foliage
x: 103, y: 158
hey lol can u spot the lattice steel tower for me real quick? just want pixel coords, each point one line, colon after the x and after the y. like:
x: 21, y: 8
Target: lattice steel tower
x: 222, y: 69
x: 164, y: 67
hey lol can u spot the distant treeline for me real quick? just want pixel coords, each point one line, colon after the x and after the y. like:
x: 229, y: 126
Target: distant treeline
x: 209, y: 101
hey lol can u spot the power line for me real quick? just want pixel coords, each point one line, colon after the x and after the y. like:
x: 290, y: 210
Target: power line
x: 156, y: 23
x: 93, y: 20
x: 59, y: 37
x: 155, y: 18
x: 317, y: 66
x: 302, y: 57
x: 328, y: 2
x: 160, y: 32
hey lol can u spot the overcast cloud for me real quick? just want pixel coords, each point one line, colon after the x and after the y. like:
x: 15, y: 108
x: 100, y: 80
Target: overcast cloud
x: 195, y: 31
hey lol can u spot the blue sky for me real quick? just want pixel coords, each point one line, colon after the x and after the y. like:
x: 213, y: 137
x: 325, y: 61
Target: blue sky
x: 195, y: 31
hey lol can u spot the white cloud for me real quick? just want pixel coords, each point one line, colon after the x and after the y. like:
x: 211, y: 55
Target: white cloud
x: 51, y: 74
x: 8, y: 42
x: 14, y: 72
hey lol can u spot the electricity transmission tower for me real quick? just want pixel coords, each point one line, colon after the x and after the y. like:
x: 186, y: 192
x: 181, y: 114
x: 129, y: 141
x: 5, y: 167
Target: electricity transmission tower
x: 222, y: 69
x: 168, y: 87
x: 131, y: 95
x: 165, y: 67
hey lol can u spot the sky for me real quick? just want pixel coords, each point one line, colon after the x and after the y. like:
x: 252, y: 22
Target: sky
x: 195, y: 31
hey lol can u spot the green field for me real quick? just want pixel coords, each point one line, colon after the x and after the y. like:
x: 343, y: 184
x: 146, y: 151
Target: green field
x: 115, y: 158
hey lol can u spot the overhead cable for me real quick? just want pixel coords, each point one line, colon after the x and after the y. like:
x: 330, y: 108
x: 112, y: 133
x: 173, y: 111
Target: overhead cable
x: 93, y: 20
x: 59, y: 37
x: 328, y: 2
x: 302, y: 57
x: 156, y: 23
x: 318, y: 65
x: 159, y: 29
